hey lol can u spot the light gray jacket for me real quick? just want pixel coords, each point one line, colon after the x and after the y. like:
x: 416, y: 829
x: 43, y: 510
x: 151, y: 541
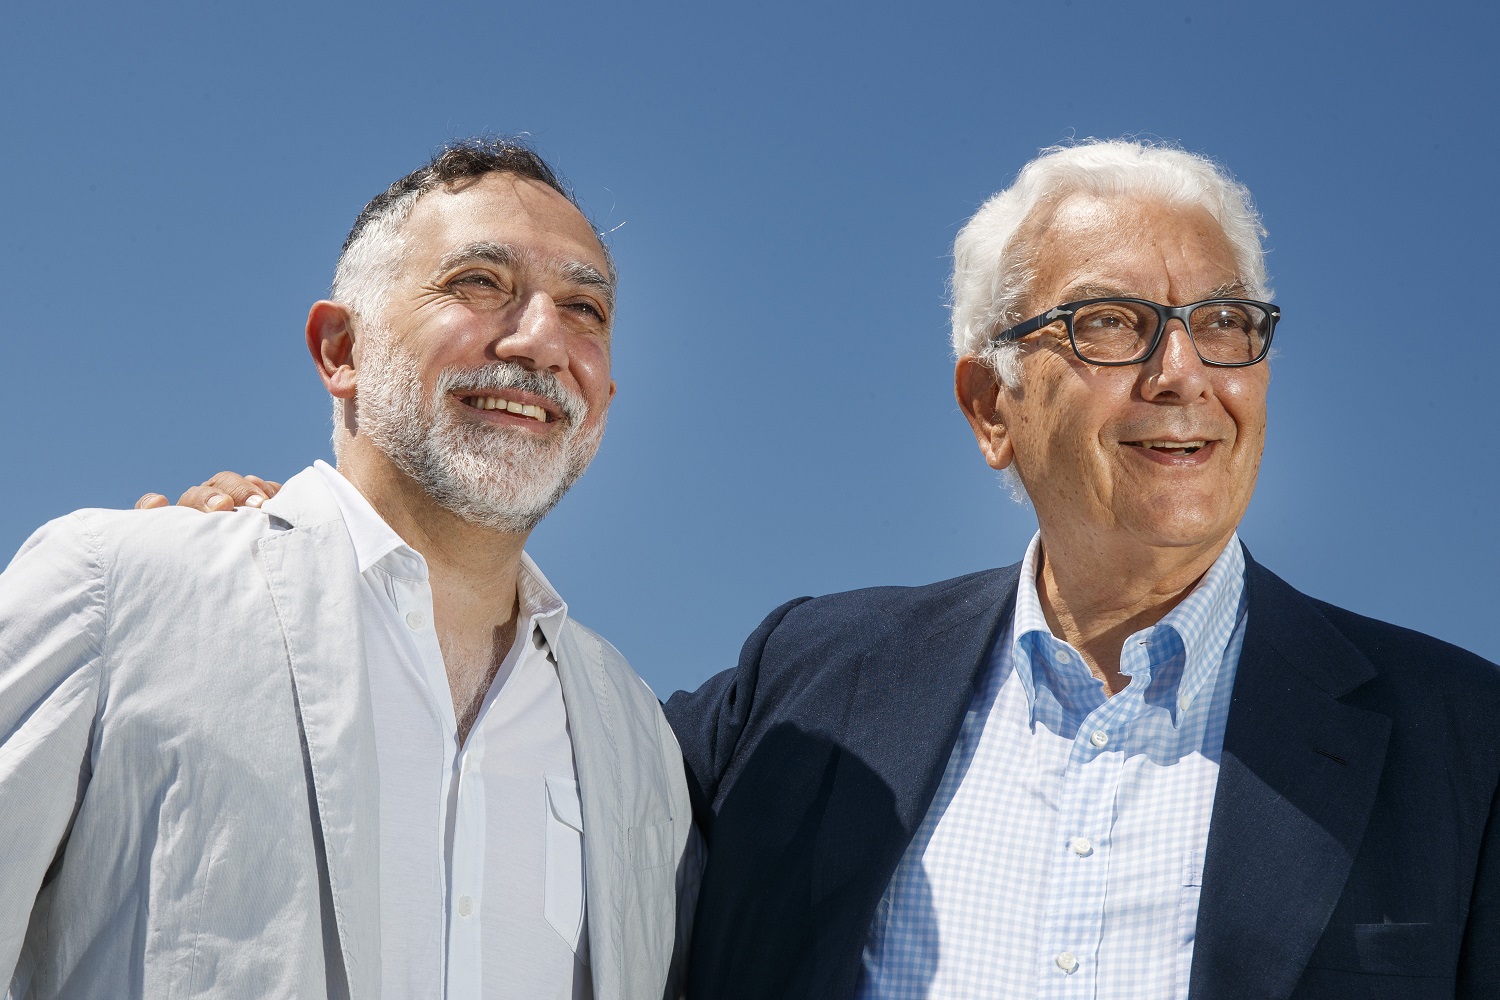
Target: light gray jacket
x: 188, y: 795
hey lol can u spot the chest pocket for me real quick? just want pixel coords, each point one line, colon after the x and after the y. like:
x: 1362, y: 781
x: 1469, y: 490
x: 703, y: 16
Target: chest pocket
x: 564, y: 859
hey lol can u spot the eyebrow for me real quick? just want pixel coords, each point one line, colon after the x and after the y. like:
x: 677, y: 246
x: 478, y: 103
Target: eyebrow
x: 589, y: 276
x: 576, y: 272
x: 502, y: 254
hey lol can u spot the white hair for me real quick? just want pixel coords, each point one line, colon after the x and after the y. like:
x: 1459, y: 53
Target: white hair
x: 993, y: 271
x: 372, y: 260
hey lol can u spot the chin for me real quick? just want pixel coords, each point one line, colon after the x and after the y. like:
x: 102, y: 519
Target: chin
x: 1178, y: 525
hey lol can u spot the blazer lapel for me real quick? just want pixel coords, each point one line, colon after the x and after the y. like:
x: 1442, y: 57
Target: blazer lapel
x: 910, y: 695
x: 312, y: 576
x: 580, y: 670
x: 1297, y: 780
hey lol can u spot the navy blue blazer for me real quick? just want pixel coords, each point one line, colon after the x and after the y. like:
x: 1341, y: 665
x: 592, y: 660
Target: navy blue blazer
x: 1354, y: 847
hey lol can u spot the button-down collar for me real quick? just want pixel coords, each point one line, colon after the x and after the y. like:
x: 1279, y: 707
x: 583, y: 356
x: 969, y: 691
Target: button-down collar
x: 1171, y: 661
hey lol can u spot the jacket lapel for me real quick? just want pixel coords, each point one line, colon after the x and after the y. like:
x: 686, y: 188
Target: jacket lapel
x: 313, y: 579
x: 910, y: 695
x: 580, y: 670
x: 1297, y: 781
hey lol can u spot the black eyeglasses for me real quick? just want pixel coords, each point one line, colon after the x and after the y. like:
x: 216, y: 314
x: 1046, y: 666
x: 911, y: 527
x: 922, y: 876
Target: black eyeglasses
x: 1227, y: 333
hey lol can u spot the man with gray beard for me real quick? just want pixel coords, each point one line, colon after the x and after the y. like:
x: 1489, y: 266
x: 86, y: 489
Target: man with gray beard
x: 350, y: 743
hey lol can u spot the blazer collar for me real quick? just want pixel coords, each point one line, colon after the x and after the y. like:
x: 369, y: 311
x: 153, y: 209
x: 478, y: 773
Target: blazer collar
x: 310, y: 569
x: 1297, y: 780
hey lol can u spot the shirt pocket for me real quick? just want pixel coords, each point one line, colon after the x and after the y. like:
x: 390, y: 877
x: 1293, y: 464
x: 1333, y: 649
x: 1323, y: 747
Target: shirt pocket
x: 564, y: 860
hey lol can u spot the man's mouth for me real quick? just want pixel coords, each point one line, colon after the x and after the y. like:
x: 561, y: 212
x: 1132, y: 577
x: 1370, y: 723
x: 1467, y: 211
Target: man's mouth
x: 530, y: 410
x: 1175, y: 448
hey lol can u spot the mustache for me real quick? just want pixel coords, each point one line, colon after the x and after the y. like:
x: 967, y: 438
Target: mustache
x: 510, y: 375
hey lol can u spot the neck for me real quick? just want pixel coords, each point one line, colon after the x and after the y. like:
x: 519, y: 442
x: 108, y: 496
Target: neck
x: 1096, y: 593
x: 472, y: 568
x: 472, y: 571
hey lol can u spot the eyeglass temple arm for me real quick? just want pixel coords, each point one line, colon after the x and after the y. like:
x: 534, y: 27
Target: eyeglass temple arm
x: 1032, y: 325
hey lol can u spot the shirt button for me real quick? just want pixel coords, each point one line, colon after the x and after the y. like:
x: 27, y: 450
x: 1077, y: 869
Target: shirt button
x: 1063, y: 656
x: 1081, y: 846
x: 1099, y: 738
x: 415, y: 619
x: 1067, y: 961
x: 1184, y: 702
x: 465, y: 906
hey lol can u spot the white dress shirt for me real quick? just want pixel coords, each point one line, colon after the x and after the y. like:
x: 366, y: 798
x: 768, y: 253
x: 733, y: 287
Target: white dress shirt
x: 481, y: 845
x: 1062, y: 856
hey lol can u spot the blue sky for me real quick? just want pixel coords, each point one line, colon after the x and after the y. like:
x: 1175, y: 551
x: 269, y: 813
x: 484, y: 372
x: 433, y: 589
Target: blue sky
x: 783, y: 183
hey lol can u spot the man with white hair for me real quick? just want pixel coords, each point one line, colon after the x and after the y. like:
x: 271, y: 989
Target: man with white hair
x: 351, y: 744
x: 1136, y: 764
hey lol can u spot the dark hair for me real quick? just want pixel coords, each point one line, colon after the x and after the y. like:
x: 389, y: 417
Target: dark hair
x: 458, y: 160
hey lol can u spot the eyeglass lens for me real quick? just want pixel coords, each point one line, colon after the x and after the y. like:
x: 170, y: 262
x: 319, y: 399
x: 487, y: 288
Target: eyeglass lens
x: 1226, y: 332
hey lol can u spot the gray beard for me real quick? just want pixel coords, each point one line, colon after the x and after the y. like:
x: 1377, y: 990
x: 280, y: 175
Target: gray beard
x: 495, y: 477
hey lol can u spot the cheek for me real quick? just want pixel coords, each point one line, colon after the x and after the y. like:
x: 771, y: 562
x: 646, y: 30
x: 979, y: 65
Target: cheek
x: 588, y: 362
x: 1245, y: 402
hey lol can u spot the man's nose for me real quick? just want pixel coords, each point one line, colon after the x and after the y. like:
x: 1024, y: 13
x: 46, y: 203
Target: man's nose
x: 540, y: 338
x: 1174, y: 368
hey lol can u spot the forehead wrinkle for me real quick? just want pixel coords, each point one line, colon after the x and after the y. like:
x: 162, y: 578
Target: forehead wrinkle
x: 1232, y: 289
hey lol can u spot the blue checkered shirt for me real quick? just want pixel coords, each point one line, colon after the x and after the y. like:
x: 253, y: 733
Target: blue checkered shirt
x: 1062, y: 857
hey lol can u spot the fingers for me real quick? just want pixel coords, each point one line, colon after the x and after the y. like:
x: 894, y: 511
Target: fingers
x: 225, y: 491
x: 267, y: 487
x: 228, y: 490
x: 206, y: 498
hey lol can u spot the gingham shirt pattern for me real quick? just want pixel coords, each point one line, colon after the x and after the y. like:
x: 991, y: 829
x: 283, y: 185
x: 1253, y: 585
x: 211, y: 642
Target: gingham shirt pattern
x: 1062, y: 857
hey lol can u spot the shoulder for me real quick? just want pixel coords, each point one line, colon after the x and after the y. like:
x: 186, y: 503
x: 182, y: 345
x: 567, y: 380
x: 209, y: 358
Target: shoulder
x: 170, y: 542
x: 812, y: 648
x: 100, y: 541
x: 1412, y: 660
x: 621, y: 676
x: 862, y: 619
x: 1393, y: 647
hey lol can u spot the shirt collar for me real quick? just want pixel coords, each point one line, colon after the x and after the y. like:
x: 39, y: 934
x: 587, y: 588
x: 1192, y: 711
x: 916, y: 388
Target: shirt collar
x: 377, y: 544
x: 372, y: 538
x: 1204, y: 623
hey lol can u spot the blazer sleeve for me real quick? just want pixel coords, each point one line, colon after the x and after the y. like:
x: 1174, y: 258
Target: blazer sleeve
x: 52, y: 622
x: 709, y: 721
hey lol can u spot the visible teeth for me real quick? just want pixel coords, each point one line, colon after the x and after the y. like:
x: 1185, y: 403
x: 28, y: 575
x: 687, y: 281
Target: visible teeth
x: 1173, y: 445
x: 520, y: 409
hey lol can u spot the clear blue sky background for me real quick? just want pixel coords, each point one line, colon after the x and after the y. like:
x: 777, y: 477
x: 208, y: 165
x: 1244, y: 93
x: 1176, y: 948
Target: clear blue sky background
x: 786, y: 180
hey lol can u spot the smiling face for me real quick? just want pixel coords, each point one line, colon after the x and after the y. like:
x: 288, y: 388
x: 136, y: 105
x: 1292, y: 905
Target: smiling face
x: 486, y: 379
x: 1163, y: 453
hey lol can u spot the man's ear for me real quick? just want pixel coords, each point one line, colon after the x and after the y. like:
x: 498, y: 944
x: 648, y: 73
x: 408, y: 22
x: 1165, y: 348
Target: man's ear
x: 979, y: 393
x: 330, y: 340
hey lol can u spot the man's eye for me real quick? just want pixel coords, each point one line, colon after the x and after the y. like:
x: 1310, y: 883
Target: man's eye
x: 587, y: 309
x: 1230, y: 319
x: 481, y: 280
x: 1106, y: 321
